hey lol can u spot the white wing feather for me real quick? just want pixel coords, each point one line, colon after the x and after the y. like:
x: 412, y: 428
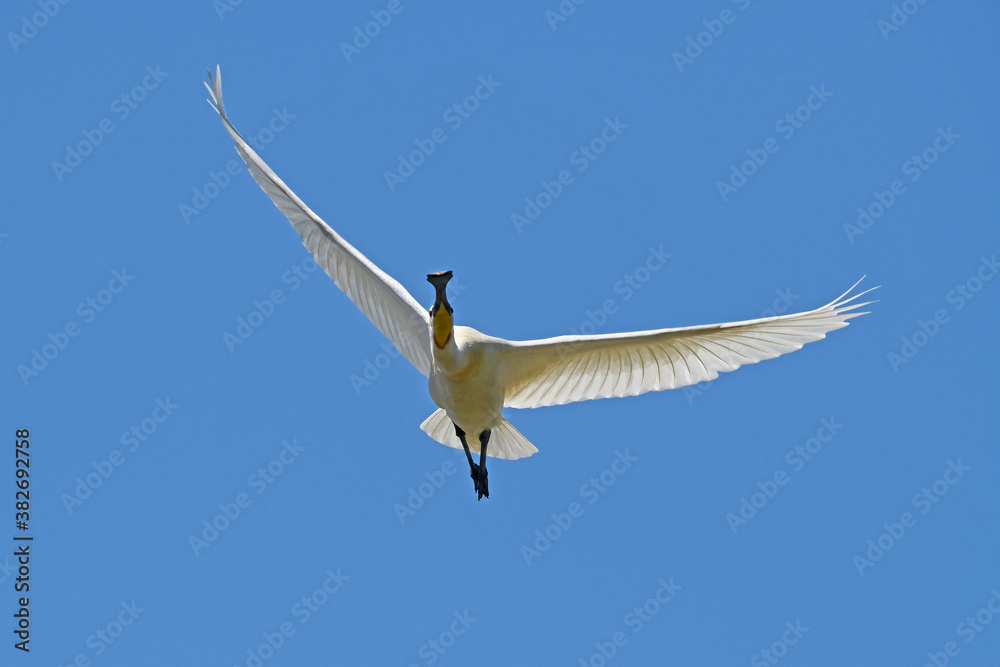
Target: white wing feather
x: 565, y: 369
x: 381, y: 298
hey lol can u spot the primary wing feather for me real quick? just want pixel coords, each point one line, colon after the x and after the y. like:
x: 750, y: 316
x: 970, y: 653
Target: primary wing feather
x: 565, y: 369
x: 380, y: 297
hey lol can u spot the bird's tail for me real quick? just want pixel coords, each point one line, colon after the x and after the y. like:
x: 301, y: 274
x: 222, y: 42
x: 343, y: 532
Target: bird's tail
x: 506, y: 442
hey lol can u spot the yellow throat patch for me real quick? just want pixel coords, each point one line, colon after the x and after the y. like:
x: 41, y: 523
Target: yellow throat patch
x: 443, y: 323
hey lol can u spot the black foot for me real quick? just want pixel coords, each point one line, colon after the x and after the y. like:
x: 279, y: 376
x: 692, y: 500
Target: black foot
x: 480, y: 478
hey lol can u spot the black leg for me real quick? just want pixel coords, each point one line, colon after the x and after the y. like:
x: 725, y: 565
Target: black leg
x: 482, y: 486
x: 473, y: 468
x: 461, y: 436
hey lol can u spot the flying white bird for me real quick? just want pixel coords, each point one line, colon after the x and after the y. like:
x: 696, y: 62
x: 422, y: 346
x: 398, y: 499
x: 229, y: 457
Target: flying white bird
x: 472, y: 376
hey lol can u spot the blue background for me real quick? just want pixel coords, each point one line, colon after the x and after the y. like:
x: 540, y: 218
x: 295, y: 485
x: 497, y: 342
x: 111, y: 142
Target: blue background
x: 698, y: 452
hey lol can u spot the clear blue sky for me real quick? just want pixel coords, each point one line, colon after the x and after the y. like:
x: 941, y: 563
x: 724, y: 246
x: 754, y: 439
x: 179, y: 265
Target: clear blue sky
x: 741, y: 138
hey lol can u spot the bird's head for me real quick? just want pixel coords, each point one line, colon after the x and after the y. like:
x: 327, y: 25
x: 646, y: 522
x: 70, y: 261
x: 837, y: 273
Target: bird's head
x: 441, y: 312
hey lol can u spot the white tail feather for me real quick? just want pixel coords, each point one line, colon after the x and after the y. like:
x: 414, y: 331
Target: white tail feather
x: 506, y: 442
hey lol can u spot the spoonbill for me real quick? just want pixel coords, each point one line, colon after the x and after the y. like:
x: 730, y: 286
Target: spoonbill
x: 473, y: 376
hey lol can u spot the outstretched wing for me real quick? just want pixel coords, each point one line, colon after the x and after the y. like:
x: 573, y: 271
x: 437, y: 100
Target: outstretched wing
x: 380, y: 297
x: 565, y: 369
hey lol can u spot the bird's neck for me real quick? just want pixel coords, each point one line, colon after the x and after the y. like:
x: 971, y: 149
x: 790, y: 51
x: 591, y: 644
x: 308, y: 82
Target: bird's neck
x: 447, y: 355
x: 450, y: 359
x: 446, y: 352
x: 443, y: 325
